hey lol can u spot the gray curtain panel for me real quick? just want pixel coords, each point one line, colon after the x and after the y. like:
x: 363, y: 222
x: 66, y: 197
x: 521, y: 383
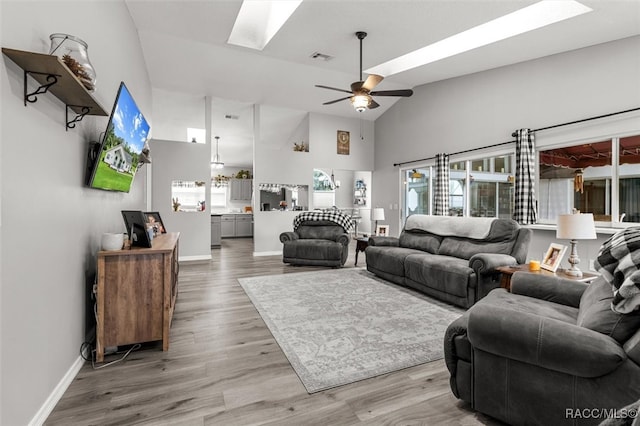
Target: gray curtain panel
x: 441, y: 186
x: 526, y: 208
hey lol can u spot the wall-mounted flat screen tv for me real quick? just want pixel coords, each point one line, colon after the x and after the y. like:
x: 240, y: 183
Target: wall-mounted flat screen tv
x: 118, y: 156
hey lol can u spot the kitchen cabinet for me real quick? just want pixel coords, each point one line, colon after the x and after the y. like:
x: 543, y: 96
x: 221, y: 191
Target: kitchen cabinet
x: 216, y: 230
x: 228, y: 226
x: 240, y: 189
x: 244, y: 225
x: 237, y: 225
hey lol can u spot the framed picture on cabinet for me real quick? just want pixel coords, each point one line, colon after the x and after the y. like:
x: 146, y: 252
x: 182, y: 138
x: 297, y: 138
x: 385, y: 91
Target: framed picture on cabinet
x: 153, y: 219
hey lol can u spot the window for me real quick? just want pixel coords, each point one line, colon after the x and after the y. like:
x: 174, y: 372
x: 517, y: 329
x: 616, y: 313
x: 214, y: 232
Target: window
x: 417, y: 191
x: 600, y: 177
x: 489, y: 193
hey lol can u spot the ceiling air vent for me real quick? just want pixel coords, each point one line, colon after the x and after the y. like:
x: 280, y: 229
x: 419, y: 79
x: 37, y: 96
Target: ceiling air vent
x: 231, y: 117
x: 321, y: 56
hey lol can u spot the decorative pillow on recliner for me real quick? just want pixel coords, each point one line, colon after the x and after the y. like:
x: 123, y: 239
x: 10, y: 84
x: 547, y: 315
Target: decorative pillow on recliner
x: 619, y: 263
x: 595, y: 313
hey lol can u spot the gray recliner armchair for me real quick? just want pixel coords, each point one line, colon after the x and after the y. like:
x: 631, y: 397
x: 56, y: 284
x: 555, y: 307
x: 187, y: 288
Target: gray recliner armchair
x: 318, y: 238
x: 550, y: 352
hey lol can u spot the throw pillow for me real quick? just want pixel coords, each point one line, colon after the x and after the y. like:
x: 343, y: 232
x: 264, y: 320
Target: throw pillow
x: 595, y: 313
x: 619, y: 263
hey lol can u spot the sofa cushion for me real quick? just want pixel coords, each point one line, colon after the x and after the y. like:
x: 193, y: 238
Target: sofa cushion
x: 530, y: 305
x: 420, y: 240
x: 388, y: 259
x: 327, y: 232
x: 596, y: 313
x: 443, y: 273
x: 312, y: 249
x: 465, y: 248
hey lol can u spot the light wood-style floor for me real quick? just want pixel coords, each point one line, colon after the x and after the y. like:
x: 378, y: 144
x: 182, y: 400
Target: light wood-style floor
x: 224, y: 367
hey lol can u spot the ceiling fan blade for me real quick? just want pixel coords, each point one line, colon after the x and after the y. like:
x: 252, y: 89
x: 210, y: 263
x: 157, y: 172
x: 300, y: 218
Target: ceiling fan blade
x: 332, y: 88
x: 405, y: 93
x: 372, y: 81
x: 373, y: 104
x: 336, y: 100
x: 356, y: 86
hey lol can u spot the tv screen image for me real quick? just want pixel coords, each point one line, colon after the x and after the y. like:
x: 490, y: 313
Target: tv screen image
x: 118, y: 158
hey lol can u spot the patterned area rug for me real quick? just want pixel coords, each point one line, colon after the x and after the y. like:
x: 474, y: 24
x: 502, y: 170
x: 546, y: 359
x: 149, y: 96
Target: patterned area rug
x: 344, y: 325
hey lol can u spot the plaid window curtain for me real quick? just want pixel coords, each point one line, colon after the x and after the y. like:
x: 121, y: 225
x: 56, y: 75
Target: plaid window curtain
x: 525, y: 209
x: 441, y: 186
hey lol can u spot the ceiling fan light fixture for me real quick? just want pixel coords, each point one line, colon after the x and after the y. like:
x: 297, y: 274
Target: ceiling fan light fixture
x: 360, y: 102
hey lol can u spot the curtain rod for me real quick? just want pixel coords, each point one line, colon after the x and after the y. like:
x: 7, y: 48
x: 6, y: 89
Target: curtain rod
x: 514, y: 134
x: 581, y: 121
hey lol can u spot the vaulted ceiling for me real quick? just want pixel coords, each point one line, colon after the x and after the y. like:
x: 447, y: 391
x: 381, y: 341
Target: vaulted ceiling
x: 185, y: 46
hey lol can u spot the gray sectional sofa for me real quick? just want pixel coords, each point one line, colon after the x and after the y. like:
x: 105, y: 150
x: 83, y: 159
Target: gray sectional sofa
x: 450, y: 258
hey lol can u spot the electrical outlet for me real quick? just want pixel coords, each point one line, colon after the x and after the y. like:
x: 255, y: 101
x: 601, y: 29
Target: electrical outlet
x: 592, y: 266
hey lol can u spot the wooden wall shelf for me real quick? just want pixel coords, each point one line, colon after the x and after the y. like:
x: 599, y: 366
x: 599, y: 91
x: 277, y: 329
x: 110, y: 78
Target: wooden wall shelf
x: 54, y: 76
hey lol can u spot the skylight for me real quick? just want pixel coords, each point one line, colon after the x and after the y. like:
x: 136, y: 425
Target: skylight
x: 532, y: 17
x: 259, y: 20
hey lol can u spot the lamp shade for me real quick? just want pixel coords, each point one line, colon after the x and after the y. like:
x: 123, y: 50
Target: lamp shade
x: 377, y: 213
x: 576, y: 227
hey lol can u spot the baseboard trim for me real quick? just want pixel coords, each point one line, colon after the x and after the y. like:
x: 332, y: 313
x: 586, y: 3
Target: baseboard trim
x: 55, y: 396
x: 267, y: 253
x: 192, y: 258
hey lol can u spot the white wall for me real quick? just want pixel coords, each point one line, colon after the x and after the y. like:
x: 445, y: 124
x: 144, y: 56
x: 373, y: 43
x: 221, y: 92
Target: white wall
x: 51, y: 222
x: 172, y: 161
x: 278, y: 163
x: 485, y: 108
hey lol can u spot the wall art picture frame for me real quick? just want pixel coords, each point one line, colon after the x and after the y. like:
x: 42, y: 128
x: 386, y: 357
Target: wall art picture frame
x: 553, y: 257
x: 343, y: 142
x: 382, y: 230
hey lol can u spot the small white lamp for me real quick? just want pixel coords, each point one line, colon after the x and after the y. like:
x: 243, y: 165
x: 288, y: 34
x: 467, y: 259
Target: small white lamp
x: 376, y: 215
x: 574, y: 227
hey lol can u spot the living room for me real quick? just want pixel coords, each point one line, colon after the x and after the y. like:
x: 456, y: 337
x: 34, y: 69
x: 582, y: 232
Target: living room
x: 44, y: 304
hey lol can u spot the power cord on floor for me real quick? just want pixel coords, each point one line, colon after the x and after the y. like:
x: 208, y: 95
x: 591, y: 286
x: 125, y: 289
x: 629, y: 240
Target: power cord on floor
x: 126, y: 354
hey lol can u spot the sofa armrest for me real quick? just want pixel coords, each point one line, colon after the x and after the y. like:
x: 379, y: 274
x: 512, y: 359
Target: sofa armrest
x: 550, y: 288
x: 288, y: 236
x: 384, y: 241
x: 486, y: 263
x: 343, y: 239
x: 545, y: 342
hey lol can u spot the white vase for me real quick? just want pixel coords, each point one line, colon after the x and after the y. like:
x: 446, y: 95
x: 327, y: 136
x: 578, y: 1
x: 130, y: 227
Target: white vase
x: 112, y: 241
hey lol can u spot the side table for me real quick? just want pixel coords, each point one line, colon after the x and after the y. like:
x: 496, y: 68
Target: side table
x: 361, y: 245
x: 508, y: 271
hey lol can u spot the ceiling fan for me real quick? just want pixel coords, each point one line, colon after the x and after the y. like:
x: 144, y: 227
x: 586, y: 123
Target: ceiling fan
x: 362, y: 91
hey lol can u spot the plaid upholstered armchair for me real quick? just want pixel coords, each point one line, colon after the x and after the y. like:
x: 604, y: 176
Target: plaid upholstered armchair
x: 318, y: 238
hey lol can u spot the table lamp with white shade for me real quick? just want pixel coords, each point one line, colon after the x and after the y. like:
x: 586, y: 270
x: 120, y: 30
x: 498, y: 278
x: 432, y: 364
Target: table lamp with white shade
x: 579, y: 226
x: 376, y: 215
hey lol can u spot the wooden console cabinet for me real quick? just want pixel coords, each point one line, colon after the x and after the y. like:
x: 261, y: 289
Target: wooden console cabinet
x: 136, y: 294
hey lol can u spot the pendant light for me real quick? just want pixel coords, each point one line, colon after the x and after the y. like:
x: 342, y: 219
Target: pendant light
x: 216, y: 163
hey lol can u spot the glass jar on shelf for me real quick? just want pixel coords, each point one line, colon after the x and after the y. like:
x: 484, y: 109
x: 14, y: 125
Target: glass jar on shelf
x: 75, y: 55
